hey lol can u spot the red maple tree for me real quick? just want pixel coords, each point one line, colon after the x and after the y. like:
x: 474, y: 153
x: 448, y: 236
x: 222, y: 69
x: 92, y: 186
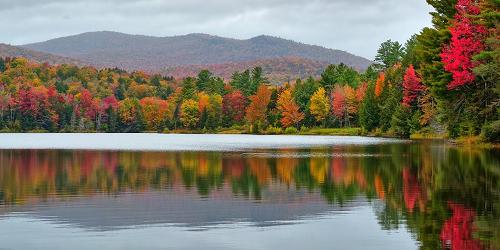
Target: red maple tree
x: 466, y: 41
x: 338, y: 102
x: 233, y: 106
x: 412, y: 86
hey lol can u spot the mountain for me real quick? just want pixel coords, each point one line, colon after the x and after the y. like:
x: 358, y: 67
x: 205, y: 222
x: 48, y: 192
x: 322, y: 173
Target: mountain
x: 277, y: 70
x: 41, y: 57
x: 154, y: 54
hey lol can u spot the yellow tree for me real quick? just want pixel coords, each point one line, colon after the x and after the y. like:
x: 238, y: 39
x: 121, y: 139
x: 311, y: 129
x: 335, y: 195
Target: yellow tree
x: 290, y: 114
x: 214, y: 111
x: 173, y: 102
x: 202, y: 101
x: 190, y: 113
x: 320, y: 106
x: 351, y: 101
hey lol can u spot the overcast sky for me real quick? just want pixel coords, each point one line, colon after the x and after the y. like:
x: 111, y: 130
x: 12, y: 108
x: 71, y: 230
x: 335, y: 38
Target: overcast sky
x: 357, y: 26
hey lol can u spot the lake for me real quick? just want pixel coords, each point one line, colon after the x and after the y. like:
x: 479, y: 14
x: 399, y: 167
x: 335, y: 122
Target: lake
x: 149, y: 191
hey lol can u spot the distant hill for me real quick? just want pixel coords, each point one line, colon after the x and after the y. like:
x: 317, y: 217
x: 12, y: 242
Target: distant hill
x: 155, y: 54
x: 41, y: 57
x: 277, y: 70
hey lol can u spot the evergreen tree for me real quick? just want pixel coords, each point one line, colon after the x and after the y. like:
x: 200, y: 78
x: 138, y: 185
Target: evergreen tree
x: 369, y: 111
x: 257, y: 79
x: 389, y: 54
x: 302, y: 94
x: 2, y: 65
x: 188, y: 89
x: 410, y: 54
x: 339, y: 74
x: 400, y: 122
x: 388, y: 106
x: 203, y: 79
x: 488, y: 73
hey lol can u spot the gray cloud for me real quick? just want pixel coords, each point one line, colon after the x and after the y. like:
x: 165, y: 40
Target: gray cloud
x: 357, y: 26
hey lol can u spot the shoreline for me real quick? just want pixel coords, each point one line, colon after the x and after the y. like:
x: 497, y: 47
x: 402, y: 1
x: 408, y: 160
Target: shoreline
x: 470, y: 141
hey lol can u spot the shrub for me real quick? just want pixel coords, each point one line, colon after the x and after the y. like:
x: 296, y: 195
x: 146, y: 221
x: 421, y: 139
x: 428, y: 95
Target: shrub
x: 273, y: 130
x: 291, y: 131
x: 491, y: 132
x: 255, y: 128
x: 304, y: 129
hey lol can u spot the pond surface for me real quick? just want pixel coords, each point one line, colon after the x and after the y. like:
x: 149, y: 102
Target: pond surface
x: 145, y: 191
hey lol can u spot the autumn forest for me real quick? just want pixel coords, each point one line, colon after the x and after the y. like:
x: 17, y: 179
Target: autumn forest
x: 442, y: 81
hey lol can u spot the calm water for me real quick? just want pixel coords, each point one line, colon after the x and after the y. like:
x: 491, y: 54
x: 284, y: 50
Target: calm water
x: 141, y: 191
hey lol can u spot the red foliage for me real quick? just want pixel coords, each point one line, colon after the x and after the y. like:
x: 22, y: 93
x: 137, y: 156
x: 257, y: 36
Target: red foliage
x: 412, y: 192
x: 87, y: 105
x: 466, y: 41
x: 456, y: 233
x: 32, y: 101
x: 412, y: 86
x: 233, y: 106
x: 110, y: 102
x: 338, y: 102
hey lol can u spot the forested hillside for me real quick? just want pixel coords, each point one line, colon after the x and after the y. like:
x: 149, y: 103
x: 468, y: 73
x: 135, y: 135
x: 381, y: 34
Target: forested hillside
x: 276, y: 70
x: 442, y: 80
x: 36, y: 56
x: 153, y: 54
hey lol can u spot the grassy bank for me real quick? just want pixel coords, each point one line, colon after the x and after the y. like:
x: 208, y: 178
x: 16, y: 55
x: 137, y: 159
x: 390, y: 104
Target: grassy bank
x: 474, y: 141
x: 331, y: 131
x: 274, y: 131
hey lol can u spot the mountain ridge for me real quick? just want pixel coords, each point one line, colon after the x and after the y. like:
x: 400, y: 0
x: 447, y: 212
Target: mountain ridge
x: 151, y: 53
x: 7, y: 50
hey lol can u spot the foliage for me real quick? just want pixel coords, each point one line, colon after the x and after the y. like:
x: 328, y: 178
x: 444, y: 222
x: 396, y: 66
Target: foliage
x: 379, y: 84
x: 257, y: 109
x: 491, y: 132
x: 412, y: 86
x: 339, y: 103
x: 445, y: 77
x: 214, y: 112
x: 190, y: 113
x: 339, y: 74
x: 233, y: 107
x: 466, y: 41
x: 154, y: 112
x: 248, y: 82
x: 389, y: 54
x: 302, y: 92
x: 320, y: 106
x: 369, y: 110
x: 290, y: 114
x: 291, y: 131
x: 130, y: 114
x: 400, y: 123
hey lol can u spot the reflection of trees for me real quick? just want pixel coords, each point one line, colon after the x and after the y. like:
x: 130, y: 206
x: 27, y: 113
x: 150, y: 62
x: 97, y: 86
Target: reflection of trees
x: 413, y: 183
x: 457, y: 230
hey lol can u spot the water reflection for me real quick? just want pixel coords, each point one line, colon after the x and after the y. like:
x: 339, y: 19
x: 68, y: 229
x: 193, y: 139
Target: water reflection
x: 446, y: 197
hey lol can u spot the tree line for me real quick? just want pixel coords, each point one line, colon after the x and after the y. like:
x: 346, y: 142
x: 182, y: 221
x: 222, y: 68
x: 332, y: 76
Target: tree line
x: 443, y: 80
